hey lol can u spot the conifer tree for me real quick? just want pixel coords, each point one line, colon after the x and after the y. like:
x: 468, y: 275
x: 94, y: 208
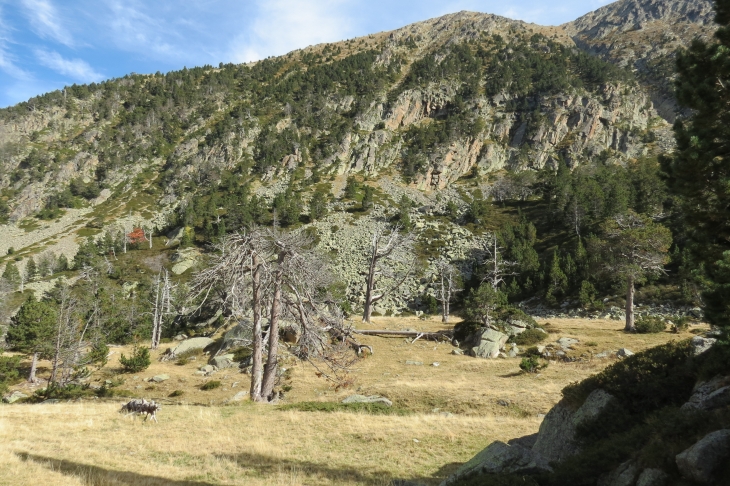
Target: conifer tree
x: 11, y: 274
x: 557, y: 281
x: 31, y: 331
x: 699, y: 170
x: 31, y: 269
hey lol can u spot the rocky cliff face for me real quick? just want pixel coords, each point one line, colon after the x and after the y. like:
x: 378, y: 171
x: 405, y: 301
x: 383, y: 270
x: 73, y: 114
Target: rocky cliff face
x: 644, y: 35
x: 427, y: 104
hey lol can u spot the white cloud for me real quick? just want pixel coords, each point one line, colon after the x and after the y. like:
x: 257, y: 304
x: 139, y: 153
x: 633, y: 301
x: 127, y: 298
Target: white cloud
x: 46, y: 21
x: 77, y: 69
x: 136, y: 31
x: 285, y: 25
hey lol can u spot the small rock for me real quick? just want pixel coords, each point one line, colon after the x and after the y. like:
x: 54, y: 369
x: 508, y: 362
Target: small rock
x: 52, y: 401
x: 567, y: 343
x: 435, y: 364
x: 160, y: 378
x: 604, y: 354
x: 207, y: 368
x: 370, y: 399
x: 623, y: 353
x: 416, y: 441
x: 180, y: 337
x: 414, y: 363
x: 238, y: 396
x: 14, y: 397
x: 457, y: 352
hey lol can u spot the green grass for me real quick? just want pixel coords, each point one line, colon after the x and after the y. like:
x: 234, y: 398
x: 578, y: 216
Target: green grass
x: 329, y: 407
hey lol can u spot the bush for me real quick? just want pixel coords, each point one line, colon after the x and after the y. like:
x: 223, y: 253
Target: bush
x: 464, y: 329
x: 681, y: 325
x: 529, y: 337
x: 211, y: 385
x: 176, y: 393
x: 650, y: 325
x: 9, y: 373
x: 139, y: 361
x: 531, y: 364
x: 242, y: 354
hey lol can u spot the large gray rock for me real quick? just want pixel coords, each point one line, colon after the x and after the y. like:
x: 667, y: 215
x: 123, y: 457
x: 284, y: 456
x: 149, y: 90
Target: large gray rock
x: 701, y: 344
x: 499, y: 457
x: 185, y: 259
x: 370, y: 399
x: 491, y: 342
x: 701, y: 462
x: 239, y: 335
x: 160, y: 378
x: 556, y: 438
x: 14, y: 397
x: 652, y: 477
x: 190, y: 345
x: 224, y: 361
x: 567, y: 343
x: 710, y: 395
x: 623, y: 475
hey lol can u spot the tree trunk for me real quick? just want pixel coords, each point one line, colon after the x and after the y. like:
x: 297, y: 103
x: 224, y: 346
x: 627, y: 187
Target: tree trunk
x: 445, y: 311
x: 269, y: 380
x: 370, y: 283
x: 33, y: 365
x: 630, y: 306
x: 256, y: 357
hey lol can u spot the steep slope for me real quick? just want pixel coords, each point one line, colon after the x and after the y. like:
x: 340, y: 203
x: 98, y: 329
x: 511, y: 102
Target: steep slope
x: 644, y: 35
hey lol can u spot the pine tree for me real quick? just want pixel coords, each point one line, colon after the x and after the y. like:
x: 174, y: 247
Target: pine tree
x: 31, y: 331
x: 318, y: 205
x: 31, y: 269
x: 557, y: 281
x: 700, y: 167
x: 11, y: 274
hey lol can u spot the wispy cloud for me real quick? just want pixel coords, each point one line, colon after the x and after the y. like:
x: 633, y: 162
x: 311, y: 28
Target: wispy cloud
x: 46, y: 21
x: 7, y: 61
x: 285, y: 25
x: 77, y: 69
x: 134, y: 30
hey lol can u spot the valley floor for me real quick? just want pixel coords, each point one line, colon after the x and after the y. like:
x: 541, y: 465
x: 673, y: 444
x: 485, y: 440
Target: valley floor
x: 458, y: 407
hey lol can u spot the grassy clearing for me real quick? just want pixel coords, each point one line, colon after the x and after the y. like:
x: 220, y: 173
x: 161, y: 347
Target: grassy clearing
x: 310, y: 438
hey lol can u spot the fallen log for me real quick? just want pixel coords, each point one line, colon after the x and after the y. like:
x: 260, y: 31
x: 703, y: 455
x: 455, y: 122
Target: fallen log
x: 437, y: 335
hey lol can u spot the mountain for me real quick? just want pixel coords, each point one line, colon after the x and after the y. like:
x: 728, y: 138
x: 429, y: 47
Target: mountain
x: 443, y: 112
x: 644, y: 35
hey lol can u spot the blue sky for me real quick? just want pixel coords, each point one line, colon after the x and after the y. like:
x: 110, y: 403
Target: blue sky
x: 47, y: 44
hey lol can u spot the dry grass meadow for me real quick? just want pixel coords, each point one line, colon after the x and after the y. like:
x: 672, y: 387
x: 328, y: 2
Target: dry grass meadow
x: 458, y: 407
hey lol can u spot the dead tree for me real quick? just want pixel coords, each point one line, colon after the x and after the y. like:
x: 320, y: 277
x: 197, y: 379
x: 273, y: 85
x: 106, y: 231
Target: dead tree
x: 497, y: 268
x: 388, y: 247
x: 448, y: 276
x: 162, y: 306
x: 275, y: 273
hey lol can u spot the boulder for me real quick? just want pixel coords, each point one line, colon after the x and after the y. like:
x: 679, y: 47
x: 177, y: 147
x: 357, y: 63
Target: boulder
x: 701, y: 461
x: 238, y: 396
x: 14, y: 397
x: 239, y: 335
x: 191, y: 344
x: 208, y: 368
x: 556, y: 438
x: 701, y: 344
x: 567, y: 343
x: 370, y: 399
x: 652, y: 477
x: 525, y: 441
x: 624, y: 353
x: 160, y: 378
x: 499, y: 457
x: 490, y: 344
x: 623, y: 475
x: 223, y: 361
x: 710, y: 395
x: 185, y: 259
x: 457, y: 352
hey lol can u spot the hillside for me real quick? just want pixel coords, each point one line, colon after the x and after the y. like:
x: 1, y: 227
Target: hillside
x: 457, y: 124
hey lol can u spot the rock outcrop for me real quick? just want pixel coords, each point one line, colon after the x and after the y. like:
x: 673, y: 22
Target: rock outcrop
x: 702, y: 460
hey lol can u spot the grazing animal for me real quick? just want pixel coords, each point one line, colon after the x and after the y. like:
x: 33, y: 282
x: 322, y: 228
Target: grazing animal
x: 141, y: 406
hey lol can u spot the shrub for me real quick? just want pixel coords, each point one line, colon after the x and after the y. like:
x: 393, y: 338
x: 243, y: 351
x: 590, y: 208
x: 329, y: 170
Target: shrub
x: 139, y: 361
x: 9, y: 373
x: 529, y: 337
x: 211, y: 385
x: 531, y: 364
x: 176, y: 393
x: 680, y: 325
x: 650, y: 325
x: 242, y: 354
x: 464, y: 329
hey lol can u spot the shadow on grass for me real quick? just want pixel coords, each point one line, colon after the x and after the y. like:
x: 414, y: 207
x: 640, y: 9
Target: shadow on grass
x: 95, y: 475
x: 264, y: 465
